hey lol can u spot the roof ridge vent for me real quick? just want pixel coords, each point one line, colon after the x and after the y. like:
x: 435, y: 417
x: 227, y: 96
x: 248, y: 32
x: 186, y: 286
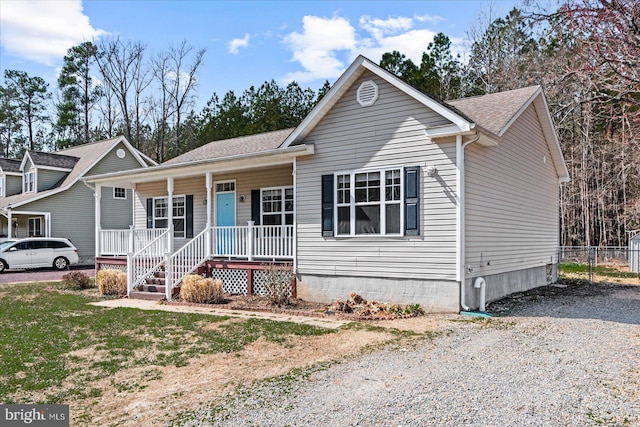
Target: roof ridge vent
x: 367, y: 93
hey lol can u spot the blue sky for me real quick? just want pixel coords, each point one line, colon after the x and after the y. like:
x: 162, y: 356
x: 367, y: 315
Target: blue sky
x: 247, y: 42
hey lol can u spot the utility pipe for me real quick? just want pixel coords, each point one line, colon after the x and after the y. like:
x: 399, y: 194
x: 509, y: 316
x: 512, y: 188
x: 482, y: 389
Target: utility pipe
x: 460, y: 243
x: 481, y: 284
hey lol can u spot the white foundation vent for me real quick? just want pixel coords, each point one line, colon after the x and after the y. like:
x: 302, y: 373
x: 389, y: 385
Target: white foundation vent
x: 367, y: 93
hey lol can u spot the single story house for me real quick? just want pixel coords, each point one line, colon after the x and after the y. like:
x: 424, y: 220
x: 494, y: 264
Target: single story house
x: 43, y: 195
x: 381, y: 190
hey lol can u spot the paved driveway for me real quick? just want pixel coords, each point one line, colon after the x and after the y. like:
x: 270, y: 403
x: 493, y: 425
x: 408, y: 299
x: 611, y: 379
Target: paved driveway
x: 41, y: 275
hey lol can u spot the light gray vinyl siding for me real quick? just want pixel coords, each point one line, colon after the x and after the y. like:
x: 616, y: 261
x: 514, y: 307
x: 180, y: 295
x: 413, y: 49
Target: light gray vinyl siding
x: 511, y: 217
x: 115, y: 214
x: 391, y: 133
x: 111, y: 162
x: 47, y: 179
x: 72, y: 216
x: 245, y: 182
x: 13, y: 185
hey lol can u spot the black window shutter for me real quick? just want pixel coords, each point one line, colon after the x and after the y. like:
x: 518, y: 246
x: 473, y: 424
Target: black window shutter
x: 149, y: 213
x: 412, y: 201
x: 327, y: 205
x: 255, y: 206
x: 189, y: 216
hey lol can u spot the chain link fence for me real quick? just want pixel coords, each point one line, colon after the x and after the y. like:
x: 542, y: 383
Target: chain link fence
x: 611, y: 263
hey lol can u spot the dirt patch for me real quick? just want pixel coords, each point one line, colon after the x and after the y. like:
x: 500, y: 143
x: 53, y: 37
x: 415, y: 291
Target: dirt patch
x: 153, y: 395
x: 297, y: 307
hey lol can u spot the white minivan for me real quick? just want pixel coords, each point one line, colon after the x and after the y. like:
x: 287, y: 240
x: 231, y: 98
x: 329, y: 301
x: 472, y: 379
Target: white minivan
x: 36, y: 252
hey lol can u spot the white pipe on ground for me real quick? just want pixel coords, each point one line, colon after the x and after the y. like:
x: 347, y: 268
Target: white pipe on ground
x: 482, y: 285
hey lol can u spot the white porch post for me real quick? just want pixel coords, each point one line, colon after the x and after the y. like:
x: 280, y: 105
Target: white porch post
x: 209, y: 211
x: 129, y: 272
x: 47, y: 224
x: 97, y: 196
x: 132, y: 239
x: 250, y: 240
x: 168, y: 276
x: 170, y: 211
x: 9, y: 224
x: 295, y: 222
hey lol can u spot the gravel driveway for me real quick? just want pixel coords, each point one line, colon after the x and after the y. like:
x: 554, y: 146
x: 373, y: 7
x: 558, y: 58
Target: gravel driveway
x: 553, y: 357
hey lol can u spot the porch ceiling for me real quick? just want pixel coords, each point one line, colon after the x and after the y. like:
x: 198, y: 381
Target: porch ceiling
x: 128, y: 179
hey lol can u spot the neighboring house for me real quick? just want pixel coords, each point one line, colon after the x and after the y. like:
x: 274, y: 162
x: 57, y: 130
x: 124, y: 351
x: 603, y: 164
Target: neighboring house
x: 381, y: 190
x: 44, y: 196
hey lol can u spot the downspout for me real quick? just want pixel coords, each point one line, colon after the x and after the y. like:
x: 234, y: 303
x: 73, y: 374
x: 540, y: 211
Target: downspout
x: 460, y: 241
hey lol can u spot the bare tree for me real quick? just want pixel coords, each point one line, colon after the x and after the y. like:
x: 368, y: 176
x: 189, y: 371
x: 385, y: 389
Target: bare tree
x: 121, y: 64
x: 180, y: 81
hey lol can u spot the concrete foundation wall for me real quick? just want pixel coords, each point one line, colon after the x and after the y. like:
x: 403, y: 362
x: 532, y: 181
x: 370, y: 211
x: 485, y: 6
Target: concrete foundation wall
x: 502, y: 284
x: 433, y: 296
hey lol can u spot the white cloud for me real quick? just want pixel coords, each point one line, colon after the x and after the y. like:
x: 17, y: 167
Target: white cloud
x: 316, y: 48
x: 236, y: 44
x: 43, y: 31
x: 432, y: 19
x: 380, y: 28
x: 323, y: 42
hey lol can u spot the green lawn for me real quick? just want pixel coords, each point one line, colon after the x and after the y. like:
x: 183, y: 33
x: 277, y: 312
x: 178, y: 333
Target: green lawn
x: 54, y: 345
x: 597, y: 269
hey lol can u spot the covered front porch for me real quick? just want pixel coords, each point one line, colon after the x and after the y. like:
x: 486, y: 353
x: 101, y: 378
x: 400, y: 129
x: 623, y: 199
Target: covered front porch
x: 18, y: 224
x: 221, y: 221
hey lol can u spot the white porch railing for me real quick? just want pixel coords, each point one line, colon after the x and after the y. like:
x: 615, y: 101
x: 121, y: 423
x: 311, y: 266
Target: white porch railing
x: 250, y: 242
x: 148, y: 260
x: 186, y: 260
x: 253, y: 241
x: 121, y: 242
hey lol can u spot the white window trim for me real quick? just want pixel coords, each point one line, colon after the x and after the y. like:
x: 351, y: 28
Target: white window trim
x: 183, y: 234
x: 382, y: 203
x: 34, y: 182
x: 3, y: 181
x: 119, y: 198
x: 283, y: 212
x: 33, y: 218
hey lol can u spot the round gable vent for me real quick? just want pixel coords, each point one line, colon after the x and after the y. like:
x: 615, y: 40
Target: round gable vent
x: 367, y: 93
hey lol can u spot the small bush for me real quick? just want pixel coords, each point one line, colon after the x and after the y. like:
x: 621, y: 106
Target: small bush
x: 278, y: 280
x: 112, y: 282
x: 198, y: 289
x: 76, y: 281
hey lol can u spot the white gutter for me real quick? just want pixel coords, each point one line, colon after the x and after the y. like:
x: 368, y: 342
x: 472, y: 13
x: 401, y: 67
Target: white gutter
x: 460, y: 242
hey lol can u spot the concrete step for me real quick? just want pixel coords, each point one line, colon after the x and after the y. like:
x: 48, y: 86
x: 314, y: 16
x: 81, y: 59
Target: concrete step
x: 151, y: 296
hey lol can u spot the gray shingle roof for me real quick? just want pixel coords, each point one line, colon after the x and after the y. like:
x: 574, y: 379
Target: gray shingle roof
x: 494, y: 111
x: 86, y: 155
x: 10, y: 165
x: 234, y: 147
x: 40, y: 158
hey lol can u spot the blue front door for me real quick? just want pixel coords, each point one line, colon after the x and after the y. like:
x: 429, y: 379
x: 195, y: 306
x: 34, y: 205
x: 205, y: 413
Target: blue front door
x: 226, y: 217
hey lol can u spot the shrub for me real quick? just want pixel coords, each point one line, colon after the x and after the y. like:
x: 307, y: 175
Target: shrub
x: 278, y: 278
x: 112, y: 282
x: 198, y: 289
x: 76, y: 280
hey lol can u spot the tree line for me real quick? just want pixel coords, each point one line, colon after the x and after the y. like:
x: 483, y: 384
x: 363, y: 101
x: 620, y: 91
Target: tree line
x: 586, y: 54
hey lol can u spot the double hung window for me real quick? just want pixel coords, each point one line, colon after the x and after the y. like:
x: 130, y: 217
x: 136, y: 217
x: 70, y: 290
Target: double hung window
x: 276, y: 206
x: 373, y: 202
x: 161, y: 214
x: 369, y: 202
x: 29, y: 182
